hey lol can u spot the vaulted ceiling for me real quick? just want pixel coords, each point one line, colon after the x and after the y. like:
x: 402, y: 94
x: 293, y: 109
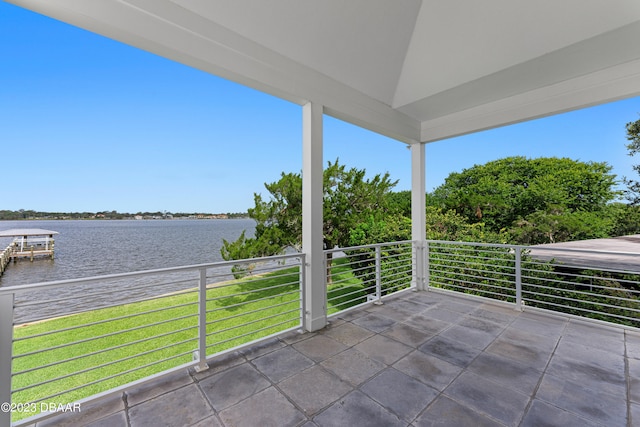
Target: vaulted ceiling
x: 415, y: 70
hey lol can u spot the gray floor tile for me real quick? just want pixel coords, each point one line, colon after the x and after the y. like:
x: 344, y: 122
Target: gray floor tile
x: 590, y: 403
x: 408, y: 335
x: 268, y: 408
x: 393, y: 312
x: 426, y: 298
x: 119, y: 419
x: 539, y: 324
x: 539, y: 342
x: 262, y: 348
x: 632, y: 339
x: 89, y: 412
x: 497, y: 314
x: 442, y: 314
x: 598, y: 336
x: 219, y: 364
x: 523, y: 352
x: 429, y: 369
x: 500, y: 403
x: 211, y: 421
x: 635, y: 414
x: 451, y: 351
x: 319, y: 347
x: 383, y: 349
x: 459, y: 305
x: 596, y: 369
x: 314, y: 389
x: 406, y: 397
x: 471, y: 337
x: 282, y: 363
x: 159, y: 386
x: 543, y: 414
x: 348, y: 333
x: 187, y: 404
x: 292, y: 337
x: 406, y: 304
x: 357, y: 410
x: 375, y: 323
x: 229, y: 387
x: 425, y: 322
x: 634, y: 380
x: 481, y: 325
x: 507, y: 372
x: 353, y: 366
x: 445, y: 412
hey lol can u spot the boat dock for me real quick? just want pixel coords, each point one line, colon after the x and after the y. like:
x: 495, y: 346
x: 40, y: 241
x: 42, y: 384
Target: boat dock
x: 27, y: 243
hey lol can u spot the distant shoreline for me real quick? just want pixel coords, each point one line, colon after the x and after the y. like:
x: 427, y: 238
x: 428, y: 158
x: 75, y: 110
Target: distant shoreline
x: 58, y: 216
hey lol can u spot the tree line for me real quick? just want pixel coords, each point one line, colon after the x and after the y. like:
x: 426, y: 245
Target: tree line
x: 514, y: 200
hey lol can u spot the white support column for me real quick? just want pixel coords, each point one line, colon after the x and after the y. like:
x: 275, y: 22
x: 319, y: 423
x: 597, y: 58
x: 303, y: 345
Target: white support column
x: 418, y: 212
x: 315, y: 316
x: 6, y: 355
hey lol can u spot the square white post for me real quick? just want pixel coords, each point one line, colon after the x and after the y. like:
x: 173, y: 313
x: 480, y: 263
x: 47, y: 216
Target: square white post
x: 315, y: 316
x: 6, y: 355
x: 202, y: 322
x: 418, y: 213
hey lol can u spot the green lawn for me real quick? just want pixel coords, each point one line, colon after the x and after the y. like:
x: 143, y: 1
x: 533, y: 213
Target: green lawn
x: 84, y: 354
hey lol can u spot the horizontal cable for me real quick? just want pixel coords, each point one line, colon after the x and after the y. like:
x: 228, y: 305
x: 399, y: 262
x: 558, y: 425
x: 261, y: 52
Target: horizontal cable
x: 93, y: 368
x: 128, y: 316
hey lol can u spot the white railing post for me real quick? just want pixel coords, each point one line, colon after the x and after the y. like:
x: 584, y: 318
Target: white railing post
x: 303, y: 290
x: 378, y: 274
x: 518, y: 278
x: 426, y: 266
x: 417, y: 282
x: 6, y: 357
x: 202, y: 322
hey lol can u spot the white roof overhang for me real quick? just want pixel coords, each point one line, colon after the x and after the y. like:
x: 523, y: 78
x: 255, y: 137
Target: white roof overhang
x: 415, y: 70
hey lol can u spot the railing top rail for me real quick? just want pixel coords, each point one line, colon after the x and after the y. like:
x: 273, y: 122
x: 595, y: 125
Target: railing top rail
x: 87, y: 280
x: 536, y: 248
x: 592, y: 251
x: 372, y: 245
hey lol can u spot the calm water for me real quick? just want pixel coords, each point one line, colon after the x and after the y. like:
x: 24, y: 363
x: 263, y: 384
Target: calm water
x: 92, y: 248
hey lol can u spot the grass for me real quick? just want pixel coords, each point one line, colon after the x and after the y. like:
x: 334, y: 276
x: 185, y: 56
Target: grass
x: 80, y: 355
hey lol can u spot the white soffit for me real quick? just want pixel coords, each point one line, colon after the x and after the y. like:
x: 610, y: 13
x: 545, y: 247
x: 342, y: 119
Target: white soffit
x: 415, y: 70
x: 361, y: 43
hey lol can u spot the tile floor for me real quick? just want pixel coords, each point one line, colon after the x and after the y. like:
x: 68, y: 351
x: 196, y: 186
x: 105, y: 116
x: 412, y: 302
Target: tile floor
x: 421, y: 359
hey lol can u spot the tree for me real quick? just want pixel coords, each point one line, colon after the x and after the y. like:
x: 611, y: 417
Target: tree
x: 633, y: 135
x: 349, y: 198
x: 531, y: 193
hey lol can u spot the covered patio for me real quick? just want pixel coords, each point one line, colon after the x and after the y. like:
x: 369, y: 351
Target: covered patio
x: 420, y: 359
x: 417, y: 71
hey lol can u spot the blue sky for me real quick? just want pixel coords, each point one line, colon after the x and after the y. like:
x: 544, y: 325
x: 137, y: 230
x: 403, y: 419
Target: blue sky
x: 89, y: 124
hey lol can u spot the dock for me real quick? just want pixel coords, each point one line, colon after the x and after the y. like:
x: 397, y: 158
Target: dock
x: 28, y: 243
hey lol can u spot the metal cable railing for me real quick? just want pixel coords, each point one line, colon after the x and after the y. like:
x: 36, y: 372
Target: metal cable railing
x: 162, y: 320
x: 361, y: 274
x: 73, y: 339
x: 558, y: 279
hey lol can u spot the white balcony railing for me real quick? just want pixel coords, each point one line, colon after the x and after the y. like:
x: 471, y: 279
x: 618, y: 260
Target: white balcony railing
x: 77, y: 340
x: 563, y: 280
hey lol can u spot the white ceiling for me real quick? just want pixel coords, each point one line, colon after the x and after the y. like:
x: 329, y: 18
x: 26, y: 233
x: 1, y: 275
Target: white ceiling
x: 416, y: 70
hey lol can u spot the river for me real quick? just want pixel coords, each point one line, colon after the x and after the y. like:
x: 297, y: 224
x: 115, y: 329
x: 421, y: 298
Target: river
x: 98, y: 247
